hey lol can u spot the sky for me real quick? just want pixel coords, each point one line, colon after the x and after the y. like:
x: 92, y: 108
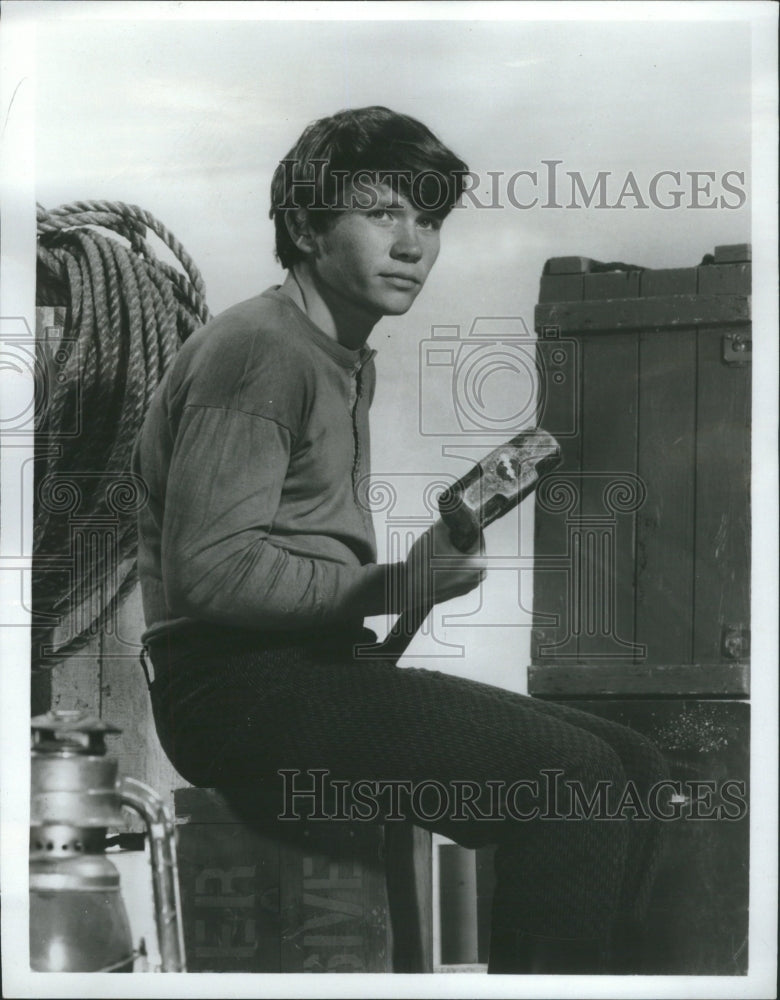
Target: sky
x: 189, y: 119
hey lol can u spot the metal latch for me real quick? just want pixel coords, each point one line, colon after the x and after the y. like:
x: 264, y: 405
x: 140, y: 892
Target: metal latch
x: 737, y: 349
x: 735, y: 642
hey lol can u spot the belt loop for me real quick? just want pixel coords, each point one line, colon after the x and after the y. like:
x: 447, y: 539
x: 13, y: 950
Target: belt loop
x: 145, y: 666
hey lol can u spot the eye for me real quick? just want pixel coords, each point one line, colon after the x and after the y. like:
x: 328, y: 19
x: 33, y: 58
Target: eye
x: 379, y: 213
x: 429, y: 222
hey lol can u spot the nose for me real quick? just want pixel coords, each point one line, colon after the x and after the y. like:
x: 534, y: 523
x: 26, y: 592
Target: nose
x: 406, y: 245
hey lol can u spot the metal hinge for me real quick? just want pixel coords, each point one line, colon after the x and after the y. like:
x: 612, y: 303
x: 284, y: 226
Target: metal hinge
x: 737, y: 350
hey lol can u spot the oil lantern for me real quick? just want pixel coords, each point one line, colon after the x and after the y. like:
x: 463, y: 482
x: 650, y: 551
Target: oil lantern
x: 78, y: 919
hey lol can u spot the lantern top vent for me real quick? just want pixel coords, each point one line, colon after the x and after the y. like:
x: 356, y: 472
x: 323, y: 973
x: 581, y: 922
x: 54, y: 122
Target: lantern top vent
x: 70, y: 731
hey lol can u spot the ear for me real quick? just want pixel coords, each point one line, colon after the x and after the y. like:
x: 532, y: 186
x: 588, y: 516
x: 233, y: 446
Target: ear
x: 300, y: 230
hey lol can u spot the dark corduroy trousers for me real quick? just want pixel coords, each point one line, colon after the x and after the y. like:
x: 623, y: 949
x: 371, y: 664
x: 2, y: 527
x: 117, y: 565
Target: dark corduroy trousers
x: 235, y: 708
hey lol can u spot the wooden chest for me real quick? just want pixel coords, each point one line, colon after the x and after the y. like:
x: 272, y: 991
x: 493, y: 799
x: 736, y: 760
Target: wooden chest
x: 642, y: 570
x: 642, y: 557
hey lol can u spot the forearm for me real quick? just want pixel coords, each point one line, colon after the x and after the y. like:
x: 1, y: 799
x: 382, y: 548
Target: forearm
x: 381, y: 590
x: 256, y: 584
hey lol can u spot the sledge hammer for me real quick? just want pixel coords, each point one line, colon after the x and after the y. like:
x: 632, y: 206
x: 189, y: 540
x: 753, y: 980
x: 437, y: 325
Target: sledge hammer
x: 494, y: 486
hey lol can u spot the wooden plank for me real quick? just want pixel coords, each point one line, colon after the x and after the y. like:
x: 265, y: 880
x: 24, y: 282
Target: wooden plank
x: 229, y: 881
x: 731, y: 252
x: 40, y: 692
x: 634, y: 680
x: 560, y: 287
x: 725, y: 279
x: 291, y: 914
x: 486, y: 886
x: 665, y: 525
x: 611, y: 285
x: 75, y: 681
x: 125, y: 701
x: 330, y: 905
x: 560, y: 413
x: 722, y: 540
x: 458, y: 895
x: 672, y: 311
x: 379, y: 953
x: 669, y: 281
x: 568, y: 265
x: 609, y: 463
x: 410, y: 896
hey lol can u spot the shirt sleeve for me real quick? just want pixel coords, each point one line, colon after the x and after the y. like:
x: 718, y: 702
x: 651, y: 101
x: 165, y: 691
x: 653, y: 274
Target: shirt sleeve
x: 223, y: 490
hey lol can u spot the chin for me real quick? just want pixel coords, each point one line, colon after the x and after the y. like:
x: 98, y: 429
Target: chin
x: 397, y: 305
x: 397, y: 309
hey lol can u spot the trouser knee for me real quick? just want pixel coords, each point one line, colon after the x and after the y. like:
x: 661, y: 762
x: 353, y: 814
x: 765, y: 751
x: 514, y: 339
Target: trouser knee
x: 644, y: 763
x: 600, y: 764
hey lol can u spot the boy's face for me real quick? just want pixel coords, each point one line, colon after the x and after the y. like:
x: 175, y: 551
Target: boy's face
x: 377, y: 258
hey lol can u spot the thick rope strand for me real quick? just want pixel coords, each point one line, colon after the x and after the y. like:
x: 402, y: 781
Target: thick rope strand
x: 127, y: 313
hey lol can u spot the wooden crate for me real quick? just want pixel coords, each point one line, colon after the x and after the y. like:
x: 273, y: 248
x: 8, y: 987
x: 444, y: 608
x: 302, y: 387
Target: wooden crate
x: 254, y: 902
x: 642, y: 571
x: 259, y: 896
x: 642, y: 554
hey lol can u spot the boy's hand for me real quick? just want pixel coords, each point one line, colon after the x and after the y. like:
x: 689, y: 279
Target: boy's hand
x: 436, y: 571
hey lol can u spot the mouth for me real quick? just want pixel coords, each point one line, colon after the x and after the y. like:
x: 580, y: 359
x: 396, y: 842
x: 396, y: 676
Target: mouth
x: 403, y: 281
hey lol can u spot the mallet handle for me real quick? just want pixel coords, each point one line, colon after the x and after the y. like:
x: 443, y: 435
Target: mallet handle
x: 491, y: 488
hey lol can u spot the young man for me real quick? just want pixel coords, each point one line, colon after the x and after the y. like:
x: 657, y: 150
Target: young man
x: 258, y: 563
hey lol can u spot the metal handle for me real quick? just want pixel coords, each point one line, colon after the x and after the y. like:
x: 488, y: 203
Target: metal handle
x: 165, y: 874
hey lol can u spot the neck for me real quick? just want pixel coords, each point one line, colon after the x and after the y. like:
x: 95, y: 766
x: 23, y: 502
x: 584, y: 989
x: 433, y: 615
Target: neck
x: 333, y: 314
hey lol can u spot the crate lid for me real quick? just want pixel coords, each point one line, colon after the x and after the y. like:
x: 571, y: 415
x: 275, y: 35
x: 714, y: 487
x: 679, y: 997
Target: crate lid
x: 580, y: 294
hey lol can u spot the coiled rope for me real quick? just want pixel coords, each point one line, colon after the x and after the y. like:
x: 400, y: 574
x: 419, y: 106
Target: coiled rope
x: 126, y: 314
